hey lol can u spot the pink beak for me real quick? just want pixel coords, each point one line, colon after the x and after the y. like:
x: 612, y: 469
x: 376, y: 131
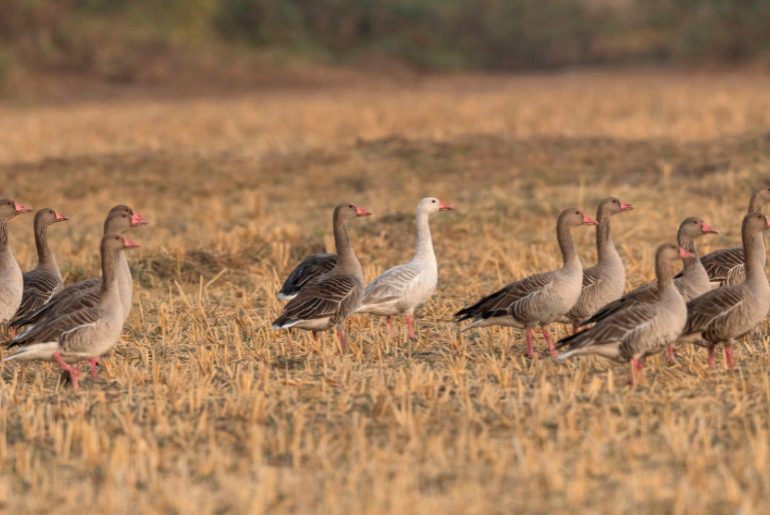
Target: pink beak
x: 444, y: 206
x: 362, y: 211
x: 21, y: 208
x: 130, y: 244
x: 685, y: 253
x: 137, y: 219
x: 587, y: 220
x: 625, y: 207
x: 709, y: 229
x: 60, y: 217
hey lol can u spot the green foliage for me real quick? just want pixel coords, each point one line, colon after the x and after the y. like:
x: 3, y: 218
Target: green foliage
x: 489, y: 34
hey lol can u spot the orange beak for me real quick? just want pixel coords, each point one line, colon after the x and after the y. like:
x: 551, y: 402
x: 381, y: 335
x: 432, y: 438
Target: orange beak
x: 709, y: 229
x: 362, y: 211
x: 60, y: 217
x: 130, y: 244
x: 137, y: 219
x: 21, y: 208
x: 625, y: 207
x: 587, y: 220
x: 444, y: 206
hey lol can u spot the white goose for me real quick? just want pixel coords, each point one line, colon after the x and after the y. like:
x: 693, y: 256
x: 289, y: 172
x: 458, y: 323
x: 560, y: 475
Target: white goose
x: 399, y: 290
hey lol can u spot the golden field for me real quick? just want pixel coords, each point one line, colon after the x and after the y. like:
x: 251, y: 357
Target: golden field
x: 203, y: 408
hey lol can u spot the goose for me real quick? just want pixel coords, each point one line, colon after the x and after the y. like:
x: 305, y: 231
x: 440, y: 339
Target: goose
x: 729, y: 312
x: 87, y: 333
x: 308, y: 269
x: 85, y: 293
x: 726, y: 266
x: 605, y: 281
x: 11, y: 281
x: 329, y: 299
x: 538, y: 299
x: 399, y: 290
x: 641, y: 329
x: 691, y: 283
x: 41, y: 283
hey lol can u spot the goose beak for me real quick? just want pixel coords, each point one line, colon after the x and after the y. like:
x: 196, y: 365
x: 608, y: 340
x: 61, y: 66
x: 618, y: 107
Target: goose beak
x: 60, y: 217
x: 21, y: 208
x: 137, y: 219
x: 625, y: 206
x: 685, y: 254
x: 444, y: 206
x: 587, y: 220
x: 130, y: 244
x: 362, y: 211
x: 709, y: 229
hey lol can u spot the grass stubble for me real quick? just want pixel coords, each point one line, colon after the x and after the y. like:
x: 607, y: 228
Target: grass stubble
x: 204, y: 408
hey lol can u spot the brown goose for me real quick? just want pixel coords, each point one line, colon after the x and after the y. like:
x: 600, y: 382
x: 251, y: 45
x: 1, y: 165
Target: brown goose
x: 308, y: 269
x: 605, y: 281
x: 539, y: 299
x: 726, y: 266
x: 45, y: 279
x: 641, y: 329
x: 330, y: 298
x: 727, y: 313
x: 11, y: 282
x: 86, y: 293
x: 692, y: 282
x: 87, y: 333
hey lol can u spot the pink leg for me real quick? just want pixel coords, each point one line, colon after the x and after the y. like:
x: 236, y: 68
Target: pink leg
x: 549, y: 341
x: 670, y: 353
x: 315, y: 335
x: 530, y: 352
x: 389, y: 322
x: 637, y: 366
x: 729, y: 356
x: 342, y: 339
x: 94, y: 370
x: 73, y: 371
x: 410, y: 326
x: 711, y: 356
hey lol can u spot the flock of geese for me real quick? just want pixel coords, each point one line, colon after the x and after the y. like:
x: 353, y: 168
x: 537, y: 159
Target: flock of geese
x: 714, y: 300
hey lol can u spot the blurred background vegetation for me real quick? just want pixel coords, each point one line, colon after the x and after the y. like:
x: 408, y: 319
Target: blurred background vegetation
x: 119, y: 40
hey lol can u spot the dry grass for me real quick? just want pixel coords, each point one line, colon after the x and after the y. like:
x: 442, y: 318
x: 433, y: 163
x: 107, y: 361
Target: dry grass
x: 203, y: 408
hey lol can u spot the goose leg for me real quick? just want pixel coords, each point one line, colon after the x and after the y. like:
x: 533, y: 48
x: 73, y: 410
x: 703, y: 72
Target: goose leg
x: 342, y: 339
x: 670, y: 354
x: 549, y: 341
x: 94, y: 362
x: 636, y: 367
x: 711, y: 356
x: 575, y: 327
x: 529, y: 343
x: 73, y: 371
x: 389, y: 323
x: 410, y: 326
x: 729, y: 355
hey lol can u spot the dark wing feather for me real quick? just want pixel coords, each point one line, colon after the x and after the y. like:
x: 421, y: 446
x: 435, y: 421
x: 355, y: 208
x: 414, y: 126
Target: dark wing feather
x: 308, y: 269
x: 500, y: 301
x: 52, y: 330
x: 642, y: 294
x: 611, y: 329
x: 76, y: 296
x: 711, y: 307
x: 39, y: 287
x: 721, y: 264
x: 332, y: 296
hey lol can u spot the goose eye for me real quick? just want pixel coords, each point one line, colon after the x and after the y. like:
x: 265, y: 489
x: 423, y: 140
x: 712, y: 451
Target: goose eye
x: 433, y: 201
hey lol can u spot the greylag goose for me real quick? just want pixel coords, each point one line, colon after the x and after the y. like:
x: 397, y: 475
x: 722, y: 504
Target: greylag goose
x: 85, y: 293
x: 308, y: 269
x: 329, y: 299
x: 726, y: 266
x: 399, y: 290
x: 727, y: 313
x: 605, y: 281
x: 45, y: 279
x: 538, y: 299
x: 641, y: 329
x: 692, y: 282
x: 87, y: 333
x: 11, y: 282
